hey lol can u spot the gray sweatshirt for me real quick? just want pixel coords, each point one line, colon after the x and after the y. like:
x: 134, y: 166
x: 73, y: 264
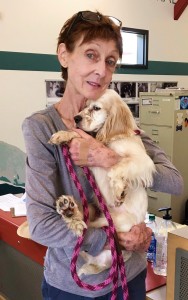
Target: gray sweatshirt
x: 47, y: 178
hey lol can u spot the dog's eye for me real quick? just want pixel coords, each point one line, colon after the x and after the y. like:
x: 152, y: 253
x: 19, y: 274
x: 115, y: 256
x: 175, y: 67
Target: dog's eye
x: 65, y: 201
x: 72, y: 204
x: 96, y: 107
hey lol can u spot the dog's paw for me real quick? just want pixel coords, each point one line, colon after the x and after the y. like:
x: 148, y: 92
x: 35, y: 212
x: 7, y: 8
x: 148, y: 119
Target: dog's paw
x: 119, y: 186
x: 62, y: 137
x: 120, y: 192
x: 67, y: 207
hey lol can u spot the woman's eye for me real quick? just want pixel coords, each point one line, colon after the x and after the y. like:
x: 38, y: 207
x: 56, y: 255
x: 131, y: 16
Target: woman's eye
x: 111, y: 62
x: 96, y: 108
x: 90, y: 55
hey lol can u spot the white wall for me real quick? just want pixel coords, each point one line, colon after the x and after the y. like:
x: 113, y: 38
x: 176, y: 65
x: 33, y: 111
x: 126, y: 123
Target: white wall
x: 33, y: 26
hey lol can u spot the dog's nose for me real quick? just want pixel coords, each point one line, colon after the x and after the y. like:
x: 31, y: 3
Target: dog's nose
x: 77, y: 119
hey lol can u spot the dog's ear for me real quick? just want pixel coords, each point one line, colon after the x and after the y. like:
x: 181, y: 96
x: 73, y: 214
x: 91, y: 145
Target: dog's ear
x: 119, y: 121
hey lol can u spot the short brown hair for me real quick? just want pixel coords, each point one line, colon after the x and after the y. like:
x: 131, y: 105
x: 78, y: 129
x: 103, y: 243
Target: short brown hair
x: 104, y: 29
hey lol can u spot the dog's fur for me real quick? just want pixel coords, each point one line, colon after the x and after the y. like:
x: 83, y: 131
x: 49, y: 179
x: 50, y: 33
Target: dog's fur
x: 123, y: 185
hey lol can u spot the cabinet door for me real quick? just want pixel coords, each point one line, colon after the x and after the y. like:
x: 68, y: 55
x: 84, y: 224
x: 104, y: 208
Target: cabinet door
x: 162, y: 136
x: 157, y: 110
x: 157, y: 200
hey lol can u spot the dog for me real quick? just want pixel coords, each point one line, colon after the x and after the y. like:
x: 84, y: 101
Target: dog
x: 123, y: 186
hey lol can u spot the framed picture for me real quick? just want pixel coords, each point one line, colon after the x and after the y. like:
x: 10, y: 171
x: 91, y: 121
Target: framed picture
x: 54, y: 91
x: 115, y: 85
x: 142, y: 87
x: 183, y: 102
x: 128, y: 89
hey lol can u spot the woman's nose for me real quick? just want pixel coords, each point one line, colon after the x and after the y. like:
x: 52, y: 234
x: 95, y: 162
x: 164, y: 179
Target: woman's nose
x: 101, y: 68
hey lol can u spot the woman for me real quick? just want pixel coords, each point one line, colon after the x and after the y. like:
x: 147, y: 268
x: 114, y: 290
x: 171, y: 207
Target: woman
x: 89, y: 46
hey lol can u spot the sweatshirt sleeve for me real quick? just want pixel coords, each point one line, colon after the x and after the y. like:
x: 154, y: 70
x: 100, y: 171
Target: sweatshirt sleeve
x: 43, y: 187
x: 167, y: 179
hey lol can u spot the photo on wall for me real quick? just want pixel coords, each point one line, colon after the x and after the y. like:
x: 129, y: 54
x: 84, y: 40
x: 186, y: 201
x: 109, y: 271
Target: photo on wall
x: 54, y: 91
x: 172, y: 85
x: 154, y: 86
x: 142, y: 87
x: 115, y: 85
x: 124, y: 89
x: 128, y: 89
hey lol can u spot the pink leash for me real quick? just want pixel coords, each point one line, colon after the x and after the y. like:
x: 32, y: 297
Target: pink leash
x: 117, y: 258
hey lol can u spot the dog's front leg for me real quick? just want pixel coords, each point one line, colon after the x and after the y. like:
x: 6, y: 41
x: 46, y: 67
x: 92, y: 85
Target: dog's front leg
x: 63, y: 136
x: 130, y: 173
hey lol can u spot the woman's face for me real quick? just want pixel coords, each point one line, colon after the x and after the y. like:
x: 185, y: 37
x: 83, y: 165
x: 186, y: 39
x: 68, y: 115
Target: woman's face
x: 90, y: 67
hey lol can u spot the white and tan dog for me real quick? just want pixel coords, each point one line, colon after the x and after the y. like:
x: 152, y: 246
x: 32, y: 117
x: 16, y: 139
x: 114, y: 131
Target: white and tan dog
x: 123, y: 185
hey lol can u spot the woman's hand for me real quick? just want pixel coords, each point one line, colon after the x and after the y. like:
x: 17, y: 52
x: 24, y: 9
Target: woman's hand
x: 137, y: 239
x: 88, y: 151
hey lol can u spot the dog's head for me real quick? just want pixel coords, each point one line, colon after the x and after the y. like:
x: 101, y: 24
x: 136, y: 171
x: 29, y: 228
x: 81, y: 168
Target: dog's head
x: 107, y: 117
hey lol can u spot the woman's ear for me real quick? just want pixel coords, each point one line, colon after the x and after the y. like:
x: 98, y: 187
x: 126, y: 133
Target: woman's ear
x: 62, y: 55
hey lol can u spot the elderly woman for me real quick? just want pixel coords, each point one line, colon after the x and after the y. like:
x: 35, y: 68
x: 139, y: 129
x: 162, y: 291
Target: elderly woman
x: 89, y: 47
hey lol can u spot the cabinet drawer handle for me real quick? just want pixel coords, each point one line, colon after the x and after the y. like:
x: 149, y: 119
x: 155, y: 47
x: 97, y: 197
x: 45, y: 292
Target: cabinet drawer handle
x: 155, y: 112
x: 156, y: 142
x: 155, y: 132
x: 153, y: 197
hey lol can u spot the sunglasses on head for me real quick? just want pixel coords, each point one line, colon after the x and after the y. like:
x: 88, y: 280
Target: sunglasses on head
x: 91, y: 16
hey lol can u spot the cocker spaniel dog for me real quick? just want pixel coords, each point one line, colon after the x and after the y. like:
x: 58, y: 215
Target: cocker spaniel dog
x: 123, y: 186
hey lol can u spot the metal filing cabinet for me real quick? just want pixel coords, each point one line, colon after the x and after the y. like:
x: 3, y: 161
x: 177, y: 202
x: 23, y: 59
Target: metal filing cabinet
x: 164, y: 117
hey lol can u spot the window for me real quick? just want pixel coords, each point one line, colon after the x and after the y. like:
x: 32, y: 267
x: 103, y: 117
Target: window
x: 135, y: 48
